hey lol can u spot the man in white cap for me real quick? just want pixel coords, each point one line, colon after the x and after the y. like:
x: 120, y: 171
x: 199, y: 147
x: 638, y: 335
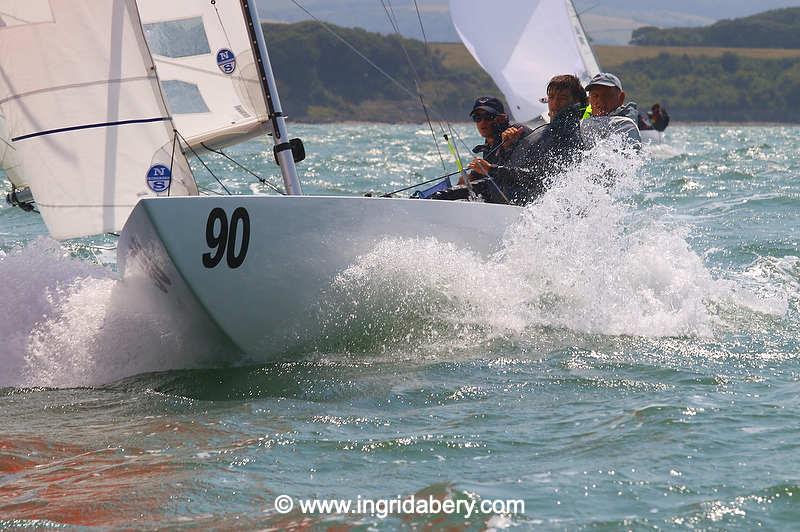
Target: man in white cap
x: 610, y: 113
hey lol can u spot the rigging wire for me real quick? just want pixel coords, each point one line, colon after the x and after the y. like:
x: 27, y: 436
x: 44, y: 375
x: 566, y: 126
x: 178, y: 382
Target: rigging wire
x: 240, y: 165
x: 209, y: 191
x: 441, y: 122
x: 461, y: 171
x: 588, y: 9
x: 387, y: 7
x: 221, y: 25
x: 203, y: 162
x: 356, y: 51
x: 421, y: 26
x: 7, y: 143
x: 453, y: 135
x: 391, y: 16
x: 415, y: 185
x: 367, y: 60
x: 172, y: 160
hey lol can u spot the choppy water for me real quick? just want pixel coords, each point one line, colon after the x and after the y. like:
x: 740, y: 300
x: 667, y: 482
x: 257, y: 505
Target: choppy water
x: 629, y: 360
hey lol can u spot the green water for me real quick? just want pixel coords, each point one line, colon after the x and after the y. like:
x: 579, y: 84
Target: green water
x: 630, y: 361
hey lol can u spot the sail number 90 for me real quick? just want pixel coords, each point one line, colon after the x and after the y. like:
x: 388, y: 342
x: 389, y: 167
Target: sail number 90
x: 222, y: 237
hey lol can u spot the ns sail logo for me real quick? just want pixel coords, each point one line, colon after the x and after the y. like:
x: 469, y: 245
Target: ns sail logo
x: 159, y: 178
x: 226, y: 61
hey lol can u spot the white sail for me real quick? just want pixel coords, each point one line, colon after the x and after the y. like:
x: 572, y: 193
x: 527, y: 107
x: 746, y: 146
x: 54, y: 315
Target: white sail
x: 530, y: 42
x: 8, y: 157
x: 85, y: 113
x: 590, y: 64
x: 206, y: 68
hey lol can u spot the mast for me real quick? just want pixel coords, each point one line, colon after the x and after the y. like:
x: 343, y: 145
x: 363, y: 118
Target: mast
x: 283, y: 148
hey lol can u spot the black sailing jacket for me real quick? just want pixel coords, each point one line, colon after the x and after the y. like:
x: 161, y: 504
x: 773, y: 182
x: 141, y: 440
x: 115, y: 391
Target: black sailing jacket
x: 524, y: 170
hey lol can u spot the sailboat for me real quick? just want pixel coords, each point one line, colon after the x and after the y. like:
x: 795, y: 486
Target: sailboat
x: 87, y: 116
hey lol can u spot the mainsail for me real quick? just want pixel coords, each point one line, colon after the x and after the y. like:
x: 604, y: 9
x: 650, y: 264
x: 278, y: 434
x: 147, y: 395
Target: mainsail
x: 85, y: 113
x: 532, y: 41
x: 206, y: 68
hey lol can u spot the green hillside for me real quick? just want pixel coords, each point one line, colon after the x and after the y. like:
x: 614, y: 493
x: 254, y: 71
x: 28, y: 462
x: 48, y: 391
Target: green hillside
x: 779, y: 28
x: 322, y: 80
x: 728, y: 88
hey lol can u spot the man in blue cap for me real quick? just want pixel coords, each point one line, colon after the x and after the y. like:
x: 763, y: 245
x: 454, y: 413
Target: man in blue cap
x: 504, y: 150
x: 610, y: 113
x: 496, y: 174
x: 516, y: 164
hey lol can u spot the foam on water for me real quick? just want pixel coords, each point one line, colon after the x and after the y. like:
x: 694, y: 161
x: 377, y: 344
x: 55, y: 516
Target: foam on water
x: 581, y: 258
x: 71, y: 323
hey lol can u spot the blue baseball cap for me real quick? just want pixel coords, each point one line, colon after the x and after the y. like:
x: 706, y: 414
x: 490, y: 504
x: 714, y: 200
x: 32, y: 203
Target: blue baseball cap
x: 490, y: 104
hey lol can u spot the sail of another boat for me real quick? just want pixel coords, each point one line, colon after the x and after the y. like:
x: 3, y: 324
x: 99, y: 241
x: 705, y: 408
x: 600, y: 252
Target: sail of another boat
x: 531, y: 42
x: 8, y: 157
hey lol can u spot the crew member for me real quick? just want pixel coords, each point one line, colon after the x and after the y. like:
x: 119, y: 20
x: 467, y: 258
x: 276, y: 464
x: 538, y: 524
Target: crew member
x: 610, y: 113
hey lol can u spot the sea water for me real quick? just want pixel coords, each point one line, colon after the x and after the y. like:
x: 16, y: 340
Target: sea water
x: 628, y: 359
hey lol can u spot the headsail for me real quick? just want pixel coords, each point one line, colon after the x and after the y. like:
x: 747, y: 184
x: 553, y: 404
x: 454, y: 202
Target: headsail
x: 206, y: 68
x: 85, y: 113
x: 532, y: 41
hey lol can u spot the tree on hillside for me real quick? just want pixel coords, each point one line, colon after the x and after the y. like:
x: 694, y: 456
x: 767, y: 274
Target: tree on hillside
x: 779, y: 28
x: 316, y: 71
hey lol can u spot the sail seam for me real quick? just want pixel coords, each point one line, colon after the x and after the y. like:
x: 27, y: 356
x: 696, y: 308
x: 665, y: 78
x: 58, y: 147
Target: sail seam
x: 90, y: 126
x: 22, y: 95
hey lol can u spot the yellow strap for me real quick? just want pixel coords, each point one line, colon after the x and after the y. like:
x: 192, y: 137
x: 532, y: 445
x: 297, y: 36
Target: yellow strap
x: 587, y: 113
x: 453, y: 153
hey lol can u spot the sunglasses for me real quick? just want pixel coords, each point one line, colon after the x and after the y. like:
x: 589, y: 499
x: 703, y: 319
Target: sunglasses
x: 477, y: 117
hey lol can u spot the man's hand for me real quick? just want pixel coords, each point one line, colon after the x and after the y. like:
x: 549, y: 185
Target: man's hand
x: 511, y: 135
x: 480, y: 166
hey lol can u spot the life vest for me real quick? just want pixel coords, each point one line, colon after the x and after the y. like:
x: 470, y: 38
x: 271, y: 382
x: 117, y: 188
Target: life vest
x: 587, y: 113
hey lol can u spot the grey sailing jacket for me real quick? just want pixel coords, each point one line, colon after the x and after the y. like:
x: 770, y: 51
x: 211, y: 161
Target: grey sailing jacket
x: 620, y: 122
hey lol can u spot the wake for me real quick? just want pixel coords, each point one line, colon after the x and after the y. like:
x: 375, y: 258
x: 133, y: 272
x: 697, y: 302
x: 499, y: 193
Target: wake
x: 71, y: 323
x: 583, y: 257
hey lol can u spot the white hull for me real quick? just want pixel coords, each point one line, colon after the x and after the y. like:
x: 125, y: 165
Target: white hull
x: 266, y: 299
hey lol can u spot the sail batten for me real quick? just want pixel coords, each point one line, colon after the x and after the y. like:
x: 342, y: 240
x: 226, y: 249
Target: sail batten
x: 89, y: 126
x: 538, y: 40
x: 81, y: 101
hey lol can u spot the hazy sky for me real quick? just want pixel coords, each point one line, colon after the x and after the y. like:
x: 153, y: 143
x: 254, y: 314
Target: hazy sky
x: 606, y: 21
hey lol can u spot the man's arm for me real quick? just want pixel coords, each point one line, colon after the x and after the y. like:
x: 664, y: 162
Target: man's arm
x: 521, y: 175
